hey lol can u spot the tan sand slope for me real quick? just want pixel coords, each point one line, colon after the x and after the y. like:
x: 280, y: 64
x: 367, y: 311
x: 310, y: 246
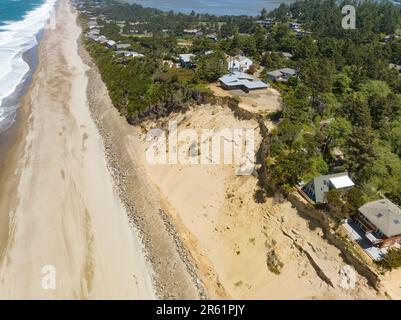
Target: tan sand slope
x: 232, y: 237
x: 67, y: 213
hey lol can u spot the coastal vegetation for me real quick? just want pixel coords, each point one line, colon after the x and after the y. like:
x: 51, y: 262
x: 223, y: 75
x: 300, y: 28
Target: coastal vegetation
x: 392, y: 260
x: 344, y: 113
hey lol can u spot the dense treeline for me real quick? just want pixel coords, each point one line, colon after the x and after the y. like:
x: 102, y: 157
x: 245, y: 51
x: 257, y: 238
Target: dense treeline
x: 347, y: 101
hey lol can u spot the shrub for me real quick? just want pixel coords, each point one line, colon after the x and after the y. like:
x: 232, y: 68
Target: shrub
x: 392, y: 259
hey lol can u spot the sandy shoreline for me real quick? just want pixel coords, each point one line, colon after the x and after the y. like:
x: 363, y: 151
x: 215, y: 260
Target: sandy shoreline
x: 58, y: 202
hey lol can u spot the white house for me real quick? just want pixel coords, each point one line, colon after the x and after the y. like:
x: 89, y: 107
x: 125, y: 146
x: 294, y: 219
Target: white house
x: 122, y: 46
x: 110, y: 43
x: 133, y: 54
x: 239, y: 63
x: 186, y: 59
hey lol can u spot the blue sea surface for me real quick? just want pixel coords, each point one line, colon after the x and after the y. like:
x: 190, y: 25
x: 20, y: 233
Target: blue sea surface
x: 217, y: 7
x: 14, y: 10
x: 21, y: 21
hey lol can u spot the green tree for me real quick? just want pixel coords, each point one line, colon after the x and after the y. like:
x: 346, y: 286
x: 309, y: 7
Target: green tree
x: 335, y: 204
x: 318, y: 75
x: 341, y: 84
x: 354, y: 199
x: 360, y: 152
x: 392, y: 260
x: 211, y: 67
x: 395, y: 137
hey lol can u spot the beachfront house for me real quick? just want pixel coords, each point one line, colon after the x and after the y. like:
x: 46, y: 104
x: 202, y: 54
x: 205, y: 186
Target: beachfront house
x: 281, y: 75
x: 110, y: 44
x: 295, y: 26
x: 101, y: 39
x: 186, y: 60
x: 212, y: 36
x: 239, y: 63
x: 128, y: 54
x: 380, y: 221
x: 95, y: 32
x: 316, y: 189
x: 92, y: 25
x: 191, y: 31
x: 265, y: 22
x: 122, y: 46
x: 242, y: 81
x: 133, y: 54
x: 93, y: 37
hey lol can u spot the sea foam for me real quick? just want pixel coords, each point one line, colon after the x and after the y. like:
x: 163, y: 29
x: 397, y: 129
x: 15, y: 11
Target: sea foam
x: 16, y: 38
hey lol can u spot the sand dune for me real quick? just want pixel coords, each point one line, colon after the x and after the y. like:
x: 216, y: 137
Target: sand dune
x: 231, y: 236
x: 66, y: 213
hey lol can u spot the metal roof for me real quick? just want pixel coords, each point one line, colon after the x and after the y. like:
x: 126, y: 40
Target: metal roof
x: 288, y: 71
x: 281, y: 72
x: 321, y: 185
x: 123, y: 46
x: 341, y: 182
x: 186, y: 57
x: 242, y: 79
x: 385, y: 215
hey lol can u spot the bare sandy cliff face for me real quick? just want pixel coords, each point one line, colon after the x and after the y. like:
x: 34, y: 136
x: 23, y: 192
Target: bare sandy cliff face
x: 244, y: 249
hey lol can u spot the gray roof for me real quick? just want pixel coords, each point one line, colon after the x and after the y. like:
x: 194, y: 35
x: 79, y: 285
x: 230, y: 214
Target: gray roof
x: 123, y: 46
x: 289, y: 71
x: 385, y: 215
x: 242, y: 79
x: 283, y: 71
x: 186, y: 57
x: 235, y: 76
x: 93, y: 37
x: 286, y: 54
x: 275, y: 73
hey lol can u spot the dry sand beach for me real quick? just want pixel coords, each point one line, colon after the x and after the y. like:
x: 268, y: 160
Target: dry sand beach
x: 57, y: 194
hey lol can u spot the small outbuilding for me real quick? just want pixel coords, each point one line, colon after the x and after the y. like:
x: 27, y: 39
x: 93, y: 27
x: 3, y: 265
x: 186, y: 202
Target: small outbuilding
x: 317, y: 188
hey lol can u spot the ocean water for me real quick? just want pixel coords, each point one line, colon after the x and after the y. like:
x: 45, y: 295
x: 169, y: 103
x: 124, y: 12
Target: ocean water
x: 21, y: 21
x: 217, y: 7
